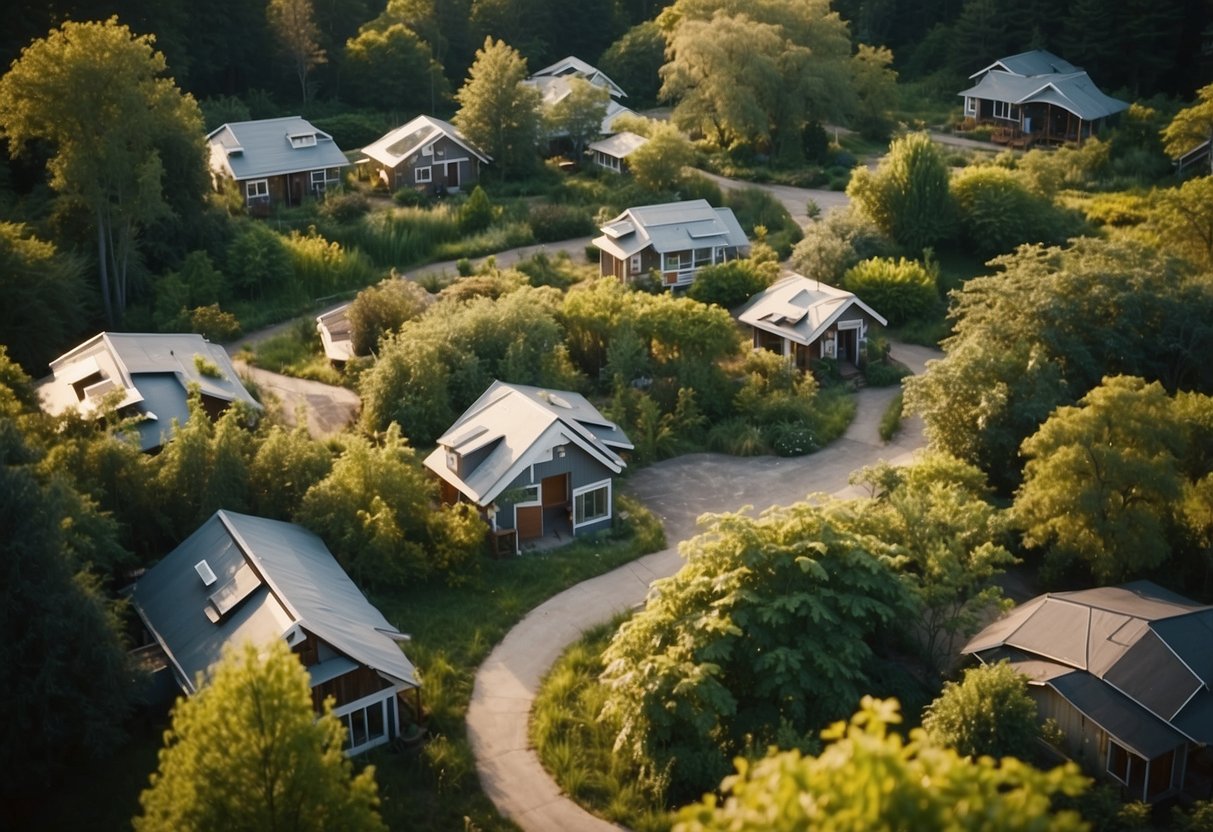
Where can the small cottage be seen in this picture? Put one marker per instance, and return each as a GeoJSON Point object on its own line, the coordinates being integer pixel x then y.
{"type": "Point", "coordinates": [427, 154]}
{"type": "Point", "coordinates": [275, 161]}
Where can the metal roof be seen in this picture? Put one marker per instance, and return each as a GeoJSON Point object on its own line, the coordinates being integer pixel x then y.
{"type": "Point", "coordinates": [155, 370]}
{"type": "Point", "coordinates": [397, 145]}
{"type": "Point", "coordinates": [1034, 62]}
{"type": "Point", "coordinates": [1138, 642]}
{"type": "Point", "coordinates": [577, 68]}
{"type": "Point", "coordinates": [1075, 92]}
{"type": "Point", "coordinates": [296, 583]}
{"type": "Point", "coordinates": [272, 147]}
{"type": "Point", "coordinates": [671, 226]}
{"type": "Point", "coordinates": [520, 424]}
{"type": "Point", "coordinates": [620, 145]}
{"type": "Point", "coordinates": [800, 309]}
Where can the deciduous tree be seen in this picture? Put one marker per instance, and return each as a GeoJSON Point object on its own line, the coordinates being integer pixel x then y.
{"type": "Point", "coordinates": [907, 196]}
{"type": "Point", "coordinates": [1191, 126]}
{"type": "Point", "coordinates": [293, 23]}
{"type": "Point", "coordinates": [44, 293]}
{"type": "Point", "coordinates": [579, 114]}
{"type": "Point", "coordinates": [659, 164]}
{"type": "Point", "coordinates": [247, 752]}
{"type": "Point", "coordinates": [392, 68]}
{"type": "Point", "coordinates": [498, 112]}
{"type": "Point", "coordinates": [99, 95]}
{"type": "Point", "coordinates": [988, 713]}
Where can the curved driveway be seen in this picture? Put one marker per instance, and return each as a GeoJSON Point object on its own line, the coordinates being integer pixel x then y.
{"type": "Point", "coordinates": [678, 491]}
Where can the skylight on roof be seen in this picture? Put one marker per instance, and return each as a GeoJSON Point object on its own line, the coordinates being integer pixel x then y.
{"type": "Point", "coordinates": [302, 139]}
{"type": "Point", "coordinates": [205, 572]}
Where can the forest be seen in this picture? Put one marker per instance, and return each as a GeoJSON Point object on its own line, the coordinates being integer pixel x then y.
{"type": "Point", "coordinates": [1067, 416]}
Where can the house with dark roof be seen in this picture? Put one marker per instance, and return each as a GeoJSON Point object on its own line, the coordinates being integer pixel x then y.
{"type": "Point", "coordinates": [275, 161]}
{"type": "Point", "coordinates": [806, 320]}
{"type": "Point", "coordinates": [242, 579]}
{"type": "Point", "coordinates": [534, 462]}
{"type": "Point", "coordinates": [428, 154]}
{"type": "Point", "coordinates": [1124, 671]}
{"type": "Point", "coordinates": [1038, 97]}
{"type": "Point", "coordinates": [674, 239]}
{"type": "Point", "coordinates": [146, 377]}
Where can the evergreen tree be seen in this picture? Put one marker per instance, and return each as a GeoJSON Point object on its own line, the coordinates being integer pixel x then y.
{"type": "Point", "coordinates": [497, 111]}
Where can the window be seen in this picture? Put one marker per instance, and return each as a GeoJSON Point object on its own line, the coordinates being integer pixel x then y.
{"type": "Point", "coordinates": [703, 257]}
{"type": "Point", "coordinates": [970, 105]}
{"type": "Point", "coordinates": [592, 503]}
{"type": "Point", "coordinates": [303, 140]}
{"type": "Point", "coordinates": [677, 260]}
{"type": "Point", "coordinates": [1006, 110]}
{"type": "Point", "coordinates": [635, 265]}
{"type": "Point", "coordinates": [1119, 761]}
{"type": "Point", "coordinates": [367, 724]}
{"type": "Point", "coordinates": [424, 174]}
{"type": "Point", "coordinates": [525, 495]}
{"type": "Point", "coordinates": [257, 189]}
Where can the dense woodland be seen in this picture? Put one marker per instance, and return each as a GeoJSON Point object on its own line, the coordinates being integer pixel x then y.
{"type": "Point", "coordinates": [1070, 419]}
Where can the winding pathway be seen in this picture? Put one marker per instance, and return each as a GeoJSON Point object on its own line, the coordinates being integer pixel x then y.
{"type": "Point", "coordinates": [678, 491]}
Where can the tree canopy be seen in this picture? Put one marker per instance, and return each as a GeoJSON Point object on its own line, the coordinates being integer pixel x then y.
{"type": "Point", "coordinates": [907, 195]}
{"type": "Point", "coordinates": [247, 752]}
{"type": "Point", "coordinates": [988, 713]}
{"type": "Point", "coordinates": [1191, 126]}
{"type": "Point", "coordinates": [497, 111]}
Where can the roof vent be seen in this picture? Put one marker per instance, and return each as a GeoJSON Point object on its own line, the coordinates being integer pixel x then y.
{"type": "Point", "coordinates": [205, 572]}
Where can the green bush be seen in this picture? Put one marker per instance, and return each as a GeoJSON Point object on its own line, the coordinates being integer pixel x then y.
{"type": "Point", "coordinates": [792, 438]}
{"type": "Point", "coordinates": [884, 373]}
{"type": "Point", "coordinates": [410, 197]}
{"type": "Point", "coordinates": [345, 207]}
{"type": "Point", "coordinates": [477, 213]}
{"type": "Point", "coordinates": [998, 211]}
{"type": "Point", "coordinates": [213, 324]}
{"type": "Point", "coordinates": [728, 284]}
{"type": "Point", "coordinates": [551, 223]}
{"type": "Point", "coordinates": [557, 271]}
{"type": "Point", "coordinates": [737, 437]}
{"type": "Point", "coordinates": [890, 421]}
{"type": "Point", "coordinates": [900, 290]}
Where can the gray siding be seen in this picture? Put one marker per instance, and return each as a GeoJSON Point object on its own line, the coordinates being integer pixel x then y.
{"type": "Point", "coordinates": [583, 470]}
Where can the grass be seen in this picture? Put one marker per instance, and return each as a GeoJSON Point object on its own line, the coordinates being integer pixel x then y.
{"type": "Point", "coordinates": [575, 744]}
{"type": "Point", "coordinates": [890, 422]}
{"type": "Point", "coordinates": [296, 352]}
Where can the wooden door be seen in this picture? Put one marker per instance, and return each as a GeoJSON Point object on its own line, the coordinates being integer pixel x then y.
{"type": "Point", "coordinates": [452, 174]}
{"type": "Point", "coordinates": [528, 520]}
{"type": "Point", "coordinates": [555, 490]}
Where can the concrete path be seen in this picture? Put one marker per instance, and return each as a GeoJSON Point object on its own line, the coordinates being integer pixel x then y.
{"type": "Point", "coordinates": [678, 491]}
{"type": "Point", "coordinates": [796, 200]}
{"type": "Point", "coordinates": [329, 409]}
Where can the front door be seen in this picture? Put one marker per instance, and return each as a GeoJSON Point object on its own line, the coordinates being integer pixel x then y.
{"type": "Point", "coordinates": [452, 175]}
{"type": "Point", "coordinates": [555, 490]}
{"type": "Point", "coordinates": [528, 520]}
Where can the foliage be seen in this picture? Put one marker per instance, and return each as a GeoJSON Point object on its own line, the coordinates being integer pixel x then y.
{"type": "Point", "coordinates": [1045, 331]}
{"type": "Point", "coordinates": [989, 713]}
{"type": "Point", "coordinates": [761, 215]}
{"type": "Point", "coordinates": [729, 284]}
{"type": "Point", "coordinates": [497, 112]}
{"type": "Point", "coordinates": [764, 632]}
{"type": "Point", "coordinates": [998, 212]}
{"type": "Point", "coordinates": [756, 73]}
{"type": "Point", "coordinates": [120, 131]}
{"type": "Point", "coordinates": [384, 308]}
{"type": "Point", "coordinates": [890, 420]}
{"type": "Point", "coordinates": [1181, 219]}
{"type": "Point", "coordinates": [875, 90]}
{"type": "Point", "coordinates": [374, 509]}
{"type": "Point", "coordinates": [280, 766]}
{"type": "Point", "coordinates": [658, 164]}
{"type": "Point", "coordinates": [322, 267]}
{"type": "Point", "coordinates": [44, 295]}
{"type": "Point", "coordinates": [477, 213]}
{"type": "Point", "coordinates": [293, 23]}
{"type": "Point", "coordinates": [838, 242]}
{"type": "Point", "coordinates": [1191, 126]}
{"type": "Point", "coordinates": [345, 207]}
{"type": "Point", "coordinates": [579, 114]}
{"type": "Point", "coordinates": [907, 195]}
{"type": "Point", "coordinates": [285, 466]}
{"type": "Point", "coordinates": [901, 290]}
{"type": "Point", "coordinates": [552, 223]}
{"type": "Point", "coordinates": [258, 262]}
{"type": "Point", "coordinates": [634, 62]}
{"type": "Point", "coordinates": [936, 516]}
{"type": "Point", "coordinates": [392, 68]}
{"type": "Point", "coordinates": [1101, 482]}
{"type": "Point", "coordinates": [869, 778]}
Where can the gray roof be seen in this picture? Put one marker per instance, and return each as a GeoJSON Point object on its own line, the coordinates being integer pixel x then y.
{"type": "Point", "coordinates": [1139, 643]}
{"type": "Point", "coordinates": [620, 145]}
{"type": "Point", "coordinates": [520, 424]}
{"type": "Point", "coordinates": [272, 580]}
{"type": "Point", "coordinates": [572, 67]}
{"type": "Point", "coordinates": [154, 372]}
{"type": "Point", "coordinates": [1034, 62]}
{"type": "Point", "coordinates": [335, 333]}
{"type": "Point", "coordinates": [397, 145]}
{"type": "Point", "coordinates": [271, 147]}
{"type": "Point", "coordinates": [800, 309]}
{"type": "Point", "coordinates": [671, 226]}
{"type": "Point", "coordinates": [1075, 92]}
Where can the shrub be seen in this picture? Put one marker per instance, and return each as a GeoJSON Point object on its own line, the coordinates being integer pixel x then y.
{"type": "Point", "coordinates": [792, 438]}
{"type": "Point", "coordinates": [884, 373]}
{"type": "Point", "coordinates": [728, 284]}
{"type": "Point", "coordinates": [907, 195]}
{"type": "Point", "coordinates": [836, 243]}
{"type": "Point", "coordinates": [998, 212]}
{"type": "Point", "coordinates": [410, 197]}
{"type": "Point", "coordinates": [383, 308]}
{"type": "Point", "coordinates": [890, 421]}
{"type": "Point", "coordinates": [477, 213]}
{"type": "Point", "coordinates": [543, 270]}
{"type": "Point", "coordinates": [345, 207]}
{"type": "Point", "coordinates": [900, 290]}
{"type": "Point", "coordinates": [464, 267]}
{"type": "Point", "coordinates": [737, 437]}
{"type": "Point", "coordinates": [213, 324]}
{"type": "Point", "coordinates": [989, 712]}
{"type": "Point", "coordinates": [551, 223]}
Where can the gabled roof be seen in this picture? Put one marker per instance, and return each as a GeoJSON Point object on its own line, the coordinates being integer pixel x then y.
{"type": "Point", "coordinates": [1075, 92]}
{"type": "Point", "coordinates": [520, 425]}
{"type": "Point", "coordinates": [1137, 659]}
{"type": "Point", "coordinates": [271, 147]}
{"type": "Point", "coordinates": [620, 145]}
{"type": "Point", "coordinates": [394, 147]}
{"type": "Point", "coordinates": [572, 67]}
{"type": "Point", "coordinates": [334, 329]}
{"type": "Point", "coordinates": [272, 580]}
{"type": "Point", "coordinates": [1033, 62]}
{"type": "Point", "coordinates": [800, 309]}
{"type": "Point", "coordinates": [671, 226]}
{"type": "Point", "coordinates": [153, 371]}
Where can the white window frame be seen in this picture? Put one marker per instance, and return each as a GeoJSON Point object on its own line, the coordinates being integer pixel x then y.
{"type": "Point", "coordinates": [531, 501]}
{"type": "Point", "coordinates": [636, 263]}
{"type": "Point", "coordinates": [300, 140]}
{"type": "Point", "coordinates": [579, 519]}
{"type": "Point", "coordinates": [384, 700]}
{"type": "Point", "coordinates": [428, 172]}
{"type": "Point", "coordinates": [1128, 762]}
{"type": "Point", "coordinates": [970, 105]}
{"type": "Point", "coordinates": [257, 189]}
{"type": "Point", "coordinates": [1006, 111]}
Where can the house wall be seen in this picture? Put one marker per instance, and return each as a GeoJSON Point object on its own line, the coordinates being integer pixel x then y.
{"type": "Point", "coordinates": [1086, 742]}
{"type": "Point", "coordinates": [622, 270]}
{"type": "Point", "coordinates": [583, 470]}
{"type": "Point", "coordinates": [441, 151]}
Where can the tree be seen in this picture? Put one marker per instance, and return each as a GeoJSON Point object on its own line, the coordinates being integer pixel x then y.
{"type": "Point", "coordinates": [998, 211]}
{"type": "Point", "coordinates": [729, 284]}
{"type": "Point", "coordinates": [286, 465]}
{"type": "Point", "coordinates": [393, 68]}
{"type": "Point", "coordinates": [1101, 480]}
{"type": "Point", "coordinates": [497, 111]}
{"type": "Point", "coordinates": [658, 164]}
{"type": "Point", "coordinates": [1182, 220]}
{"type": "Point", "coordinates": [902, 290]}
{"type": "Point", "coordinates": [763, 633]}
{"type": "Point", "coordinates": [98, 94]}
{"type": "Point", "coordinates": [989, 713]}
{"type": "Point", "coordinates": [293, 24]}
{"type": "Point", "coordinates": [907, 196]}
{"type": "Point", "coordinates": [875, 90]}
{"type": "Point", "coordinates": [579, 114]}
{"type": "Point", "coordinates": [1192, 126]}
{"type": "Point", "coordinates": [384, 308]}
{"type": "Point", "coordinates": [634, 62]}
{"type": "Point", "coordinates": [247, 752]}
{"type": "Point", "coordinates": [44, 293]}
{"type": "Point", "coordinates": [869, 778]}
{"type": "Point", "coordinates": [838, 241]}
{"type": "Point", "coordinates": [755, 73]}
